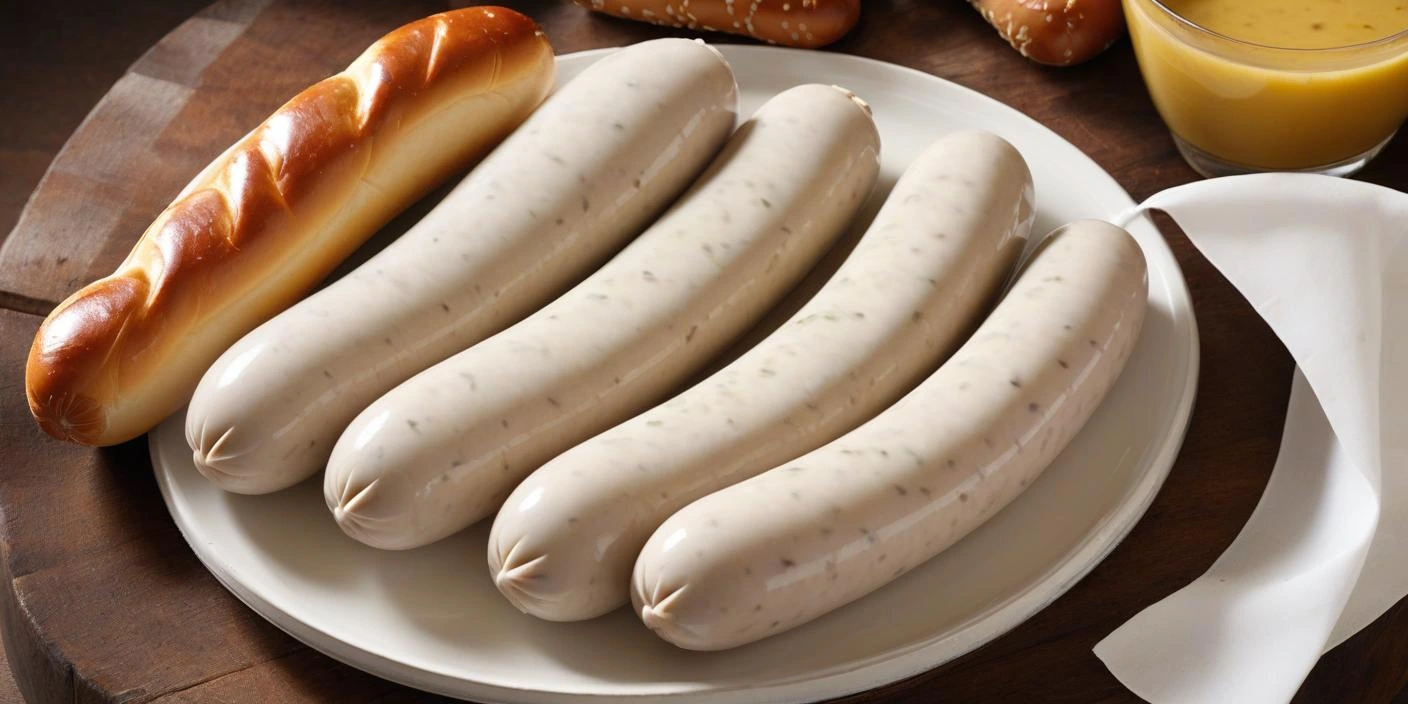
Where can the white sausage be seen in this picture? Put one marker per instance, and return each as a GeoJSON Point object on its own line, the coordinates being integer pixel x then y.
{"type": "Point", "coordinates": [811, 535]}
{"type": "Point", "coordinates": [443, 450]}
{"type": "Point", "coordinates": [925, 271]}
{"type": "Point", "coordinates": [586, 172]}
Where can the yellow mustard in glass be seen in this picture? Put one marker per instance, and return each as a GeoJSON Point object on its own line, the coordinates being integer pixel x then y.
{"type": "Point", "coordinates": [1275, 85]}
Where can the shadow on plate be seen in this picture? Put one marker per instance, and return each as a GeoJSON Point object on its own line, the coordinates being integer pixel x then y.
{"type": "Point", "coordinates": [294, 529]}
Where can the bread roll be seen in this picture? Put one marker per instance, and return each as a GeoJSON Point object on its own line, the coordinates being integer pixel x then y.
{"type": "Point", "coordinates": [1055, 32]}
{"type": "Point", "coordinates": [276, 212]}
{"type": "Point", "coordinates": [801, 23]}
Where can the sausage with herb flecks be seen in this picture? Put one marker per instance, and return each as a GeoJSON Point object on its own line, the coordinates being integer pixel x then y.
{"type": "Point", "coordinates": [585, 173]}
{"type": "Point", "coordinates": [815, 533]}
{"type": "Point", "coordinates": [443, 450]}
{"type": "Point", "coordinates": [927, 269]}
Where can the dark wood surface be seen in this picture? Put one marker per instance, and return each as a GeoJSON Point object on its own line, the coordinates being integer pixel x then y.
{"type": "Point", "coordinates": [102, 600]}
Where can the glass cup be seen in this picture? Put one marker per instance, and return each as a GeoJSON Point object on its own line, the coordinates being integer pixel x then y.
{"type": "Point", "coordinates": [1238, 107]}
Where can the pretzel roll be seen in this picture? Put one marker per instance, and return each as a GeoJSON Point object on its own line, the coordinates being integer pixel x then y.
{"type": "Point", "coordinates": [801, 23]}
{"type": "Point", "coordinates": [269, 218]}
{"type": "Point", "coordinates": [1055, 32]}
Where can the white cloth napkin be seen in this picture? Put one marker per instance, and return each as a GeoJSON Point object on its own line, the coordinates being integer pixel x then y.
{"type": "Point", "coordinates": [1325, 261]}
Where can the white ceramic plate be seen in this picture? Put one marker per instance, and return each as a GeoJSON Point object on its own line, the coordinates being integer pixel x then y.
{"type": "Point", "coordinates": [431, 618]}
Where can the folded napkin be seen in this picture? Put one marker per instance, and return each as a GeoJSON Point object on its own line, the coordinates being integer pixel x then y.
{"type": "Point", "coordinates": [1325, 261]}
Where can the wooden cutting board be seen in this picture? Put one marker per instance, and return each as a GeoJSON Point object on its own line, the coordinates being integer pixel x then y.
{"type": "Point", "coordinates": [103, 602]}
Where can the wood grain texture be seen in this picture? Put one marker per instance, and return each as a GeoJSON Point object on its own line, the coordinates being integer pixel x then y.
{"type": "Point", "coordinates": [103, 601]}
{"type": "Point", "coordinates": [56, 61]}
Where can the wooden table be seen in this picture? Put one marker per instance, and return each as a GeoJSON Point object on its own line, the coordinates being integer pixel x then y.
{"type": "Point", "coordinates": [103, 601]}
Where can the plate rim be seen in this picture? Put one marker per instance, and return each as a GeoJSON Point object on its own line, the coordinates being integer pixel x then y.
{"type": "Point", "coordinates": [878, 670]}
